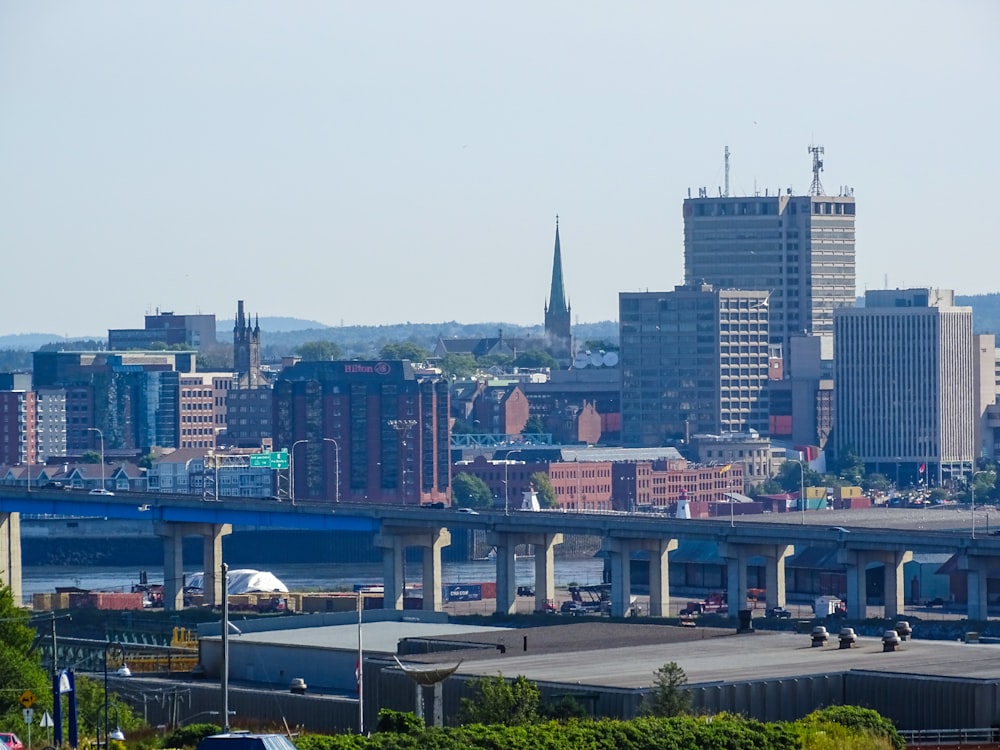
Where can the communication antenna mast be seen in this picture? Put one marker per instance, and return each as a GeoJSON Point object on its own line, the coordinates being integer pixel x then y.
{"type": "Point", "coordinates": [817, 187]}
{"type": "Point", "coordinates": [726, 194]}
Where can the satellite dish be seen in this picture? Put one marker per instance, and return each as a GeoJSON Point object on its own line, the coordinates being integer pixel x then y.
{"type": "Point", "coordinates": [611, 359]}
{"type": "Point", "coordinates": [596, 359]}
{"type": "Point", "coordinates": [581, 361]}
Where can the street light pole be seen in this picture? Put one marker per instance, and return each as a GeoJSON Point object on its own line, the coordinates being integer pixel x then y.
{"type": "Point", "coordinates": [336, 455]}
{"type": "Point", "coordinates": [972, 493]}
{"type": "Point", "coordinates": [291, 470]}
{"type": "Point", "coordinates": [506, 485]}
{"type": "Point", "coordinates": [99, 432]}
{"type": "Point", "coordinates": [802, 490]}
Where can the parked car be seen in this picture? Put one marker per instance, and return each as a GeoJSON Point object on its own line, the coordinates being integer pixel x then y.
{"type": "Point", "coordinates": [470, 511]}
{"type": "Point", "coordinates": [11, 740]}
{"type": "Point", "coordinates": [525, 590]}
{"type": "Point", "coordinates": [100, 491]}
{"type": "Point", "coordinates": [780, 612]}
{"type": "Point", "coordinates": [573, 608]}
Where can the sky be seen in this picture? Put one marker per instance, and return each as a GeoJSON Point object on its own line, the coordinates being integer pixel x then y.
{"type": "Point", "coordinates": [367, 163]}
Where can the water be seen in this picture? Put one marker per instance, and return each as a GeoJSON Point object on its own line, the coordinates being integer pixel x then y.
{"type": "Point", "coordinates": [308, 577]}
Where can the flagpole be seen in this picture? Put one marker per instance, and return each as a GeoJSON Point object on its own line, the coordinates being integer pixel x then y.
{"type": "Point", "coordinates": [360, 669]}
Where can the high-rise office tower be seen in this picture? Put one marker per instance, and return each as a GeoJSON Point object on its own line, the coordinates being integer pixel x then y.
{"type": "Point", "coordinates": [905, 384]}
{"type": "Point", "coordinates": [797, 248]}
{"type": "Point", "coordinates": [694, 360]}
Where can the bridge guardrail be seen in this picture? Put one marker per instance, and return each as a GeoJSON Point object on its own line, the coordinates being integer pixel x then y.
{"type": "Point", "coordinates": [957, 737]}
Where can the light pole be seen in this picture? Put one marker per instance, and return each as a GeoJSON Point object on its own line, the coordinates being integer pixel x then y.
{"type": "Point", "coordinates": [124, 672]}
{"type": "Point", "coordinates": [506, 485]}
{"type": "Point", "coordinates": [802, 490]}
{"type": "Point", "coordinates": [98, 431]}
{"type": "Point", "coordinates": [336, 458]}
{"type": "Point", "coordinates": [291, 470]}
{"type": "Point", "coordinates": [972, 494]}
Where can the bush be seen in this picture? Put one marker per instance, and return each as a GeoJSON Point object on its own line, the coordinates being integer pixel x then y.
{"type": "Point", "coordinates": [399, 722]}
{"type": "Point", "coordinates": [189, 736]}
{"type": "Point", "coordinates": [497, 701]}
{"type": "Point", "coordinates": [859, 719]}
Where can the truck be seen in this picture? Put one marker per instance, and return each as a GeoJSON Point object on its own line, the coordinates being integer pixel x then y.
{"type": "Point", "coordinates": [713, 603]}
{"type": "Point", "coordinates": [829, 606]}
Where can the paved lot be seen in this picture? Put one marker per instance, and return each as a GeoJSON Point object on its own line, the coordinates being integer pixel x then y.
{"type": "Point", "coordinates": [956, 518]}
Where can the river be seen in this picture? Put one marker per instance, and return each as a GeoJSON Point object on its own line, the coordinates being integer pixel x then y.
{"type": "Point", "coordinates": [307, 577]}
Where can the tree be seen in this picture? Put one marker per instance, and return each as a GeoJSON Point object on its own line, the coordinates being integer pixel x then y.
{"type": "Point", "coordinates": [404, 350]}
{"type": "Point", "coordinates": [469, 491]}
{"type": "Point", "coordinates": [458, 365]}
{"type": "Point", "coordinates": [495, 360]}
{"type": "Point", "coordinates": [319, 351]}
{"type": "Point", "coordinates": [90, 457]}
{"type": "Point", "coordinates": [20, 667]}
{"type": "Point", "coordinates": [534, 425]}
{"type": "Point", "coordinates": [668, 696]}
{"type": "Point", "coordinates": [497, 701]}
{"type": "Point", "coordinates": [535, 358]}
{"type": "Point", "coordinates": [792, 481]}
{"type": "Point", "coordinates": [543, 486]}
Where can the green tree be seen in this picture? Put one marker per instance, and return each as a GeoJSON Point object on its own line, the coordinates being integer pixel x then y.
{"type": "Point", "coordinates": [791, 480]}
{"type": "Point", "coordinates": [864, 720]}
{"type": "Point", "coordinates": [877, 483]}
{"type": "Point", "coordinates": [497, 701]}
{"type": "Point", "coordinates": [534, 425]}
{"type": "Point", "coordinates": [543, 486]}
{"type": "Point", "coordinates": [469, 491]}
{"type": "Point", "coordinates": [404, 350]}
{"type": "Point", "coordinates": [147, 461]}
{"type": "Point", "coordinates": [20, 667]}
{"type": "Point", "coordinates": [535, 358]}
{"type": "Point", "coordinates": [458, 365]}
{"type": "Point", "coordinates": [668, 696]}
{"type": "Point", "coordinates": [495, 360]}
{"type": "Point", "coordinates": [849, 467]}
{"type": "Point", "coordinates": [319, 351]}
{"type": "Point", "coordinates": [90, 457]}
{"type": "Point", "coordinates": [598, 345]}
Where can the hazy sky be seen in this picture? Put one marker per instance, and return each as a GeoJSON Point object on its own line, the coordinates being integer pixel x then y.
{"type": "Point", "coordinates": [377, 162]}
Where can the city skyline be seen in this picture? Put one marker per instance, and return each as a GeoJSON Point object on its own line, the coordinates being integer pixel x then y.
{"type": "Point", "coordinates": [366, 165]}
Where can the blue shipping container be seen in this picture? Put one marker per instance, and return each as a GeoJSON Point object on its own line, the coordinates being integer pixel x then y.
{"type": "Point", "coordinates": [469, 592]}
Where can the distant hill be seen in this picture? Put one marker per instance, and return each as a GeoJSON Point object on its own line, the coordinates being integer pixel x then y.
{"type": "Point", "coordinates": [276, 324]}
{"type": "Point", "coordinates": [31, 342]}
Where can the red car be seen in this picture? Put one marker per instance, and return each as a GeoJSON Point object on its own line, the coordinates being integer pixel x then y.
{"type": "Point", "coordinates": [11, 740]}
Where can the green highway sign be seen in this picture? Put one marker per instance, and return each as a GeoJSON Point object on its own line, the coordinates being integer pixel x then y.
{"type": "Point", "coordinates": [269, 460]}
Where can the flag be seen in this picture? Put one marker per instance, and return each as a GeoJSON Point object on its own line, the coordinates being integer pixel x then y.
{"type": "Point", "coordinates": [725, 468]}
{"type": "Point", "coordinates": [923, 468]}
{"type": "Point", "coordinates": [357, 675]}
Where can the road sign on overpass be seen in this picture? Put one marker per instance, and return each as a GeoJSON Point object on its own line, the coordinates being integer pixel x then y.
{"type": "Point", "coordinates": [269, 460]}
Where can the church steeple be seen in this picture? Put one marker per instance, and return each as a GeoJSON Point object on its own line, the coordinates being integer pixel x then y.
{"type": "Point", "coordinates": [558, 335]}
{"type": "Point", "coordinates": [557, 294]}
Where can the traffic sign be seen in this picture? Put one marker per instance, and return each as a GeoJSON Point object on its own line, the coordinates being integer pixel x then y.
{"type": "Point", "coordinates": [46, 721]}
{"type": "Point", "coordinates": [27, 699]}
{"type": "Point", "coordinates": [269, 460]}
{"type": "Point", "coordinates": [29, 715]}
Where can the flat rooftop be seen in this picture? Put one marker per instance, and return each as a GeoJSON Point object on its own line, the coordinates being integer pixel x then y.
{"type": "Point", "coordinates": [626, 656]}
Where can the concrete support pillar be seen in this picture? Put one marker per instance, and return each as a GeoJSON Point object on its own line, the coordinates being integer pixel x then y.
{"type": "Point", "coordinates": [393, 543]}
{"type": "Point", "coordinates": [737, 554]}
{"type": "Point", "coordinates": [736, 578]}
{"type": "Point", "coordinates": [10, 555]}
{"type": "Point", "coordinates": [211, 536]}
{"type": "Point", "coordinates": [774, 575]}
{"type": "Point", "coordinates": [857, 591]}
{"type": "Point", "coordinates": [545, 586]}
{"type": "Point", "coordinates": [506, 577]}
{"type": "Point", "coordinates": [620, 551]}
{"type": "Point", "coordinates": [173, 564]}
{"type": "Point", "coordinates": [975, 568]}
{"type": "Point", "coordinates": [894, 582]}
{"type": "Point", "coordinates": [659, 573]}
{"type": "Point", "coordinates": [545, 580]}
{"type": "Point", "coordinates": [432, 569]}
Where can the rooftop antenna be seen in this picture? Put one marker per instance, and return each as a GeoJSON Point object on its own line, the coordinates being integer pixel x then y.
{"type": "Point", "coordinates": [726, 194]}
{"type": "Point", "coordinates": [817, 187]}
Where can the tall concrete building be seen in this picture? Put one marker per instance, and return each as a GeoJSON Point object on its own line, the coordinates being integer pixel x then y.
{"type": "Point", "coordinates": [905, 394]}
{"type": "Point", "coordinates": [165, 328]}
{"type": "Point", "coordinates": [797, 248]}
{"type": "Point", "coordinates": [694, 360]}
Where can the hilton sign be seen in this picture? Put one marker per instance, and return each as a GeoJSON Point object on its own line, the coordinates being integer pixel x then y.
{"type": "Point", "coordinates": [379, 368]}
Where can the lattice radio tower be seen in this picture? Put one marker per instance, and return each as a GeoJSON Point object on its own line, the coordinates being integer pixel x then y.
{"type": "Point", "coordinates": [817, 187]}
